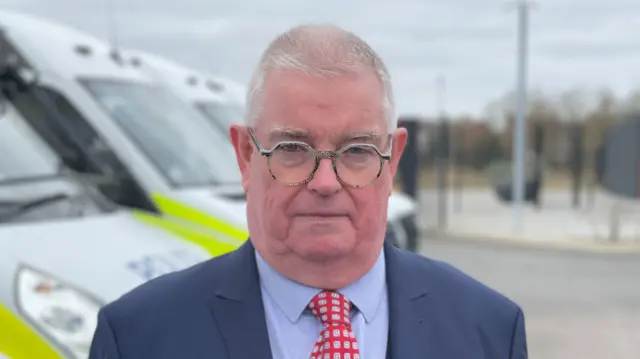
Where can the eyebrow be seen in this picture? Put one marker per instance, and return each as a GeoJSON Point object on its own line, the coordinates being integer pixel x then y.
{"type": "Point", "coordinates": [363, 136]}
{"type": "Point", "coordinates": [288, 133]}
{"type": "Point", "coordinates": [298, 134]}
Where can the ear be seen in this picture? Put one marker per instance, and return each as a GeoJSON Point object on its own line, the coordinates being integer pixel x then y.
{"type": "Point", "coordinates": [399, 143]}
{"type": "Point", "coordinates": [244, 149]}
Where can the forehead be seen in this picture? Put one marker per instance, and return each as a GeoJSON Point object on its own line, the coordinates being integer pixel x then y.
{"type": "Point", "coordinates": [338, 106]}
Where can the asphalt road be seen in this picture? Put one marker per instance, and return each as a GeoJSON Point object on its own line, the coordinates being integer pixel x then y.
{"type": "Point", "coordinates": [577, 305]}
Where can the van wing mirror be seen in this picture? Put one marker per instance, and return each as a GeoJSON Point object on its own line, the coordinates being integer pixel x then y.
{"type": "Point", "coordinates": [17, 78]}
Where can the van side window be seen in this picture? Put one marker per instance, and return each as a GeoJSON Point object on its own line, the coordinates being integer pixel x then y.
{"type": "Point", "coordinates": [45, 109]}
{"type": "Point", "coordinates": [40, 118]}
{"type": "Point", "coordinates": [82, 131]}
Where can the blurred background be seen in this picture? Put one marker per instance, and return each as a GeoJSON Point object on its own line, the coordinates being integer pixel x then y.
{"type": "Point", "coordinates": [524, 122]}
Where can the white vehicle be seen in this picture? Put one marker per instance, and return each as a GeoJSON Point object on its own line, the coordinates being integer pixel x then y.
{"type": "Point", "coordinates": [85, 101]}
{"type": "Point", "coordinates": [147, 135]}
{"type": "Point", "coordinates": [65, 250]}
{"type": "Point", "coordinates": [222, 101]}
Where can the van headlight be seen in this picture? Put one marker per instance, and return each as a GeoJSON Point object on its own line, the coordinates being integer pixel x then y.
{"type": "Point", "coordinates": [61, 312]}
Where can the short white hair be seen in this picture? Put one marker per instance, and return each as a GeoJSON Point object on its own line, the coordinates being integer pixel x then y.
{"type": "Point", "coordinates": [319, 50]}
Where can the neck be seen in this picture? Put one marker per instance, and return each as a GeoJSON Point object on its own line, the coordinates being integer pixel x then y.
{"type": "Point", "coordinates": [333, 274]}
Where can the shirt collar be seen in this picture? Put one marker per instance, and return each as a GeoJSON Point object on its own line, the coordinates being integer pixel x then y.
{"type": "Point", "coordinates": [292, 297]}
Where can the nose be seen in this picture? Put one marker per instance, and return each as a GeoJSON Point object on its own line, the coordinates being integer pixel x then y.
{"type": "Point", "coordinates": [325, 181]}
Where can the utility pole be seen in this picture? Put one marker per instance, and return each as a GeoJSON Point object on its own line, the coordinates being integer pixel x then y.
{"type": "Point", "coordinates": [442, 166]}
{"type": "Point", "coordinates": [520, 128]}
{"type": "Point", "coordinates": [111, 14]}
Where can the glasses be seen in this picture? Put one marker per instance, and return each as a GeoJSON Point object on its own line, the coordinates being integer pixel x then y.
{"type": "Point", "coordinates": [295, 163]}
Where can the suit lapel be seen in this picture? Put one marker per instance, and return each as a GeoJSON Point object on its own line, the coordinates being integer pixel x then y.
{"type": "Point", "coordinates": [411, 332]}
{"type": "Point", "coordinates": [237, 307]}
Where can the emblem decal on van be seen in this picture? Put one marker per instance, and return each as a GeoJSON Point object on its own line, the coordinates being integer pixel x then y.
{"type": "Point", "coordinates": [155, 265]}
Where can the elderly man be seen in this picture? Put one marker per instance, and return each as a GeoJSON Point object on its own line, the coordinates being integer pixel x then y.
{"type": "Point", "coordinates": [318, 153]}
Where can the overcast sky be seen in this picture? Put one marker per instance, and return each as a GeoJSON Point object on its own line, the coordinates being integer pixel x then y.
{"type": "Point", "coordinates": [472, 42]}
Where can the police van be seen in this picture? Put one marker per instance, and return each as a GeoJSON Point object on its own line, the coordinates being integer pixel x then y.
{"type": "Point", "coordinates": [65, 249]}
{"type": "Point", "coordinates": [145, 134]}
{"type": "Point", "coordinates": [84, 100]}
{"type": "Point", "coordinates": [222, 102]}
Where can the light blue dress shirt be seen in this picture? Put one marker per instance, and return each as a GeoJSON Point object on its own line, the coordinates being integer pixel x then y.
{"type": "Point", "coordinates": [293, 331]}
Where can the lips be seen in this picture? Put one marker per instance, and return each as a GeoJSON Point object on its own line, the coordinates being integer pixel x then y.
{"type": "Point", "coordinates": [322, 215]}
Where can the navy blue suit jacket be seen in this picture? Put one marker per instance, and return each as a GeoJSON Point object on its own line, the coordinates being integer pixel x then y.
{"type": "Point", "coordinates": [214, 311]}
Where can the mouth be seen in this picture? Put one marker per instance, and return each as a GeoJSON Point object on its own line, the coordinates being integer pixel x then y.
{"type": "Point", "coordinates": [322, 215]}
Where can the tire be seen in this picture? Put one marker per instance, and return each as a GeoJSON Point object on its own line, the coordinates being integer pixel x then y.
{"type": "Point", "coordinates": [390, 237]}
{"type": "Point", "coordinates": [412, 233]}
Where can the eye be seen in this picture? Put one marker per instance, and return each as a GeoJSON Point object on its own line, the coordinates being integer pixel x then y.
{"type": "Point", "coordinates": [292, 147]}
{"type": "Point", "coordinates": [358, 151]}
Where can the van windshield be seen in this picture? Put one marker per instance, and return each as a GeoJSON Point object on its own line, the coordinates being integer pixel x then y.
{"type": "Point", "coordinates": [32, 185]}
{"type": "Point", "coordinates": [221, 114]}
{"type": "Point", "coordinates": [175, 137]}
{"type": "Point", "coordinates": [22, 155]}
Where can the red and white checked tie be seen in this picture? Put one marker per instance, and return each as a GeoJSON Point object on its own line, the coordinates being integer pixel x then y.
{"type": "Point", "coordinates": [337, 340]}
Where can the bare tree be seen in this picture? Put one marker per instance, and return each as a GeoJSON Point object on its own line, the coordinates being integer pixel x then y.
{"type": "Point", "coordinates": [571, 105]}
{"type": "Point", "coordinates": [498, 111]}
{"type": "Point", "coordinates": [630, 104]}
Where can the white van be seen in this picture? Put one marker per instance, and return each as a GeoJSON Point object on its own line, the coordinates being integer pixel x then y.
{"type": "Point", "coordinates": [87, 101]}
{"type": "Point", "coordinates": [65, 250]}
{"type": "Point", "coordinates": [222, 101]}
{"type": "Point", "coordinates": [142, 131]}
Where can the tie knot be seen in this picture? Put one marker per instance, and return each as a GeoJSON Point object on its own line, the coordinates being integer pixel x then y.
{"type": "Point", "coordinates": [331, 308]}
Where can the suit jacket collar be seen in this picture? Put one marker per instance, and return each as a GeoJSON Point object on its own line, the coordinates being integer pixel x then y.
{"type": "Point", "coordinates": [236, 304]}
{"type": "Point", "coordinates": [411, 305]}
{"type": "Point", "coordinates": [242, 278]}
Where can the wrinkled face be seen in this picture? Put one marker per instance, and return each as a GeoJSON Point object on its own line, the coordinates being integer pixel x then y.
{"type": "Point", "coordinates": [322, 219]}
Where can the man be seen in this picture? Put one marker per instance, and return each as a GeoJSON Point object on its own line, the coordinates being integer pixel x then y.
{"type": "Point", "coordinates": [317, 155]}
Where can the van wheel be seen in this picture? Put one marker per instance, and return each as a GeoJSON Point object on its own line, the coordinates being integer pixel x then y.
{"type": "Point", "coordinates": [412, 233]}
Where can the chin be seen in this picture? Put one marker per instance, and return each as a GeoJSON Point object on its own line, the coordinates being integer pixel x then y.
{"type": "Point", "coordinates": [324, 247]}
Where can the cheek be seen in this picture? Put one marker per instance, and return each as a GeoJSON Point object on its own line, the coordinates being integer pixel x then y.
{"type": "Point", "coordinates": [371, 203]}
{"type": "Point", "coordinates": [275, 199]}
{"type": "Point", "coordinates": [268, 188]}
